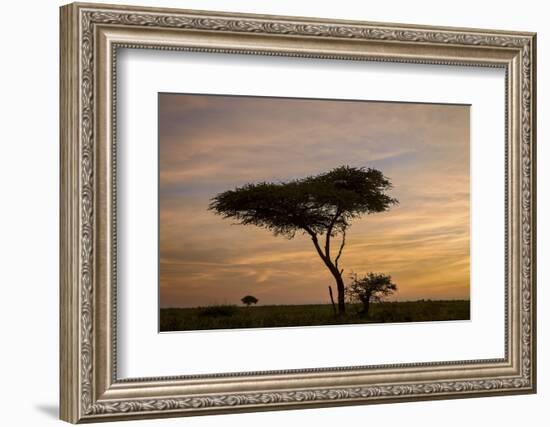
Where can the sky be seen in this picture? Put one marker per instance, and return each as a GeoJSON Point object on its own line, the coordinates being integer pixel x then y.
{"type": "Point", "coordinates": [209, 144]}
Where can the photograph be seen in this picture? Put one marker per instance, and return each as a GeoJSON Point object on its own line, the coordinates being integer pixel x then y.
{"type": "Point", "coordinates": [284, 212]}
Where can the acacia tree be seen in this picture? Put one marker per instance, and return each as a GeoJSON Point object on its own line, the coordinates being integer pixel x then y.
{"type": "Point", "coordinates": [372, 287]}
{"type": "Point", "coordinates": [249, 299]}
{"type": "Point", "coordinates": [320, 206]}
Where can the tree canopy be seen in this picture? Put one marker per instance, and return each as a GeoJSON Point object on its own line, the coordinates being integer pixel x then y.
{"type": "Point", "coordinates": [316, 204]}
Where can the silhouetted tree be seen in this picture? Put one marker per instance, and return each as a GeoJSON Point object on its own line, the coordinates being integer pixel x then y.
{"type": "Point", "coordinates": [249, 299]}
{"type": "Point", "coordinates": [372, 287]}
{"type": "Point", "coordinates": [321, 205]}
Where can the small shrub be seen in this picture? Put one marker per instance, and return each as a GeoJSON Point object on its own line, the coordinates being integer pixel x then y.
{"type": "Point", "coordinates": [249, 299]}
{"type": "Point", "coordinates": [373, 287]}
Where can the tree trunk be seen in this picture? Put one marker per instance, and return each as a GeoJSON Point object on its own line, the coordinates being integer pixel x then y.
{"type": "Point", "coordinates": [332, 299]}
{"type": "Point", "coordinates": [340, 287]}
{"type": "Point", "coordinates": [341, 293]}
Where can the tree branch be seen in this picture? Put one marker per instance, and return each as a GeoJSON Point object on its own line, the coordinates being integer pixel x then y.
{"type": "Point", "coordinates": [329, 232]}
{"type": "Point", "coordinates": [315, 241]}
{"type": "Point", "coordinates": [319, 250]}
{"type": "Point", "coordinates": [327, 245]}
{"type": "Point", "coordinates": [341, 248]}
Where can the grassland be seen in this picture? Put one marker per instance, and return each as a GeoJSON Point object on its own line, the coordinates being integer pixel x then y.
{"type": "Point", "coordinates": [267, 316]}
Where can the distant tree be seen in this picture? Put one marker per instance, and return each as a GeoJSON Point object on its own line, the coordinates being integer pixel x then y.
{"type": "Point", "coordinates": [249, 299]}
{"type": "Point", "coordinates": [321, 205]}
{"type": "Point", "coordinates": [372, 287]}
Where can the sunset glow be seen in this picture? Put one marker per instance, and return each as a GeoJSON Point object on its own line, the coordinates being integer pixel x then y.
{"type": "Point", "coordinates": [210, 144]}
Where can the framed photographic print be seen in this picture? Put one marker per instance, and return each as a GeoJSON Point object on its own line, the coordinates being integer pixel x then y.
{"type": "Point", "coordinates": [265, 212]}
{"type": "Point", "coordinates": [261, 148]}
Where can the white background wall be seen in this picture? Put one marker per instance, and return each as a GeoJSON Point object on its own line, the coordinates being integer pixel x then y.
{"type": "Point", "coordinates": [29, 170]}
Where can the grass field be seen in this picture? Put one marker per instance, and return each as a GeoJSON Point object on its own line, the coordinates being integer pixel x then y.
{"type": "Point", "coordinates": [268, 316]}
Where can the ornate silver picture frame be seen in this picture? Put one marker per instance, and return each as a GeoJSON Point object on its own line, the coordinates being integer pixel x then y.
{"type": "Point", "coordinates": [91, 35]}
